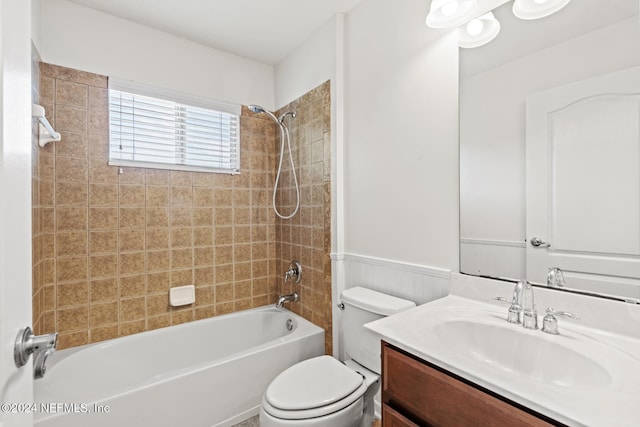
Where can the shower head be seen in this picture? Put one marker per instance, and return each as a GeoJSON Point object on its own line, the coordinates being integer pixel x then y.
{"type": "Point", "coordinates": [288, 113]}
{"type": "Point", "coordinates": [258, 109]}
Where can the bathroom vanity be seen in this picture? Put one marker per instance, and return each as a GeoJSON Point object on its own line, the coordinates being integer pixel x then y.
{"type": "Point", "coordinates": [457, 361]}
{"type": "Point", "coordinates": [415, 392]}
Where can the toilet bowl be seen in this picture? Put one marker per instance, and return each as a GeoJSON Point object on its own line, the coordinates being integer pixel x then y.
{"type": "Point", "coordinates": [322, 391]}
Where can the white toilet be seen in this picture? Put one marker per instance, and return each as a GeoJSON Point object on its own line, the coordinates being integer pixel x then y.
{"type": "Point", "coordinates": [323, 391]}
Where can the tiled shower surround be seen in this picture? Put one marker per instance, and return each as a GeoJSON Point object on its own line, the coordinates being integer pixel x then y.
{"type": "Point", "coordinates": [307, 236]}
{"type": "Point", "coordinates": [109, 243]}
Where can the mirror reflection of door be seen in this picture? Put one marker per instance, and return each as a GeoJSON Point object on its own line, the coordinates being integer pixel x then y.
{"type": "Point", "coordinates": [583, 183]}
{"type": "Point", "coordinates": [585, 40]}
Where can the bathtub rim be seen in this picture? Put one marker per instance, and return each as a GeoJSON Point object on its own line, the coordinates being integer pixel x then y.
{"type": "Point", "coordinates": [303, 325]}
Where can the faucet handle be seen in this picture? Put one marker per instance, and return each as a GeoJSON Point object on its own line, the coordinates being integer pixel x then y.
{"type": "Point", "coordinates": [550, 322]}
{"type": "Point", "coordinates": [514, 312]}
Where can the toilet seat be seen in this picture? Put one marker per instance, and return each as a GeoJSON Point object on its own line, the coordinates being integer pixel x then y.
{"type": "Point", "coordinates": [313, 388]}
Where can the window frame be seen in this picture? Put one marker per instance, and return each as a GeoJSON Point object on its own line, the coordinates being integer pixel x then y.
{"type": "Point", "coordinates": [181, 99]}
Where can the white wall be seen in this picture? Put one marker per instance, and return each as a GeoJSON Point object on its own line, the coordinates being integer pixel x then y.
{"type": "Point", "coordinates": [312, 63]}
{"type": "Point", "coordinates": [493, 139]}
{"type": "Point", "coordinates": [401, 135]}
{"type": "Point", "coordinates": [78, 37]}
{"type": "Point", "coordinates": [36, 8]}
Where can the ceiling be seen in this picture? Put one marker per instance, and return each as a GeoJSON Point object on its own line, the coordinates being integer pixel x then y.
{"type": "Point", "coordinates": [262, 30]}
{"type": "Point", "coordinates": [519, 38]}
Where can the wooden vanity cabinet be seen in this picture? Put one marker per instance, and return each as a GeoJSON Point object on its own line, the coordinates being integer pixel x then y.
{"type": "Point", "coordinates": [416, 393]}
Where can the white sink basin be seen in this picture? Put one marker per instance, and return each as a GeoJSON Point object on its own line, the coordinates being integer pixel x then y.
{"type": "Point", "coordinates": [509, 349]}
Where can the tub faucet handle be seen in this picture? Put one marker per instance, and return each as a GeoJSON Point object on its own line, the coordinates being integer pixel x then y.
{"type": "Point", "coordinates": [294, 272]}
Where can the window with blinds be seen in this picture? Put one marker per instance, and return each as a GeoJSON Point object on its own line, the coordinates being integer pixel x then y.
{"type": "Point", "coordinates": [147, 131]}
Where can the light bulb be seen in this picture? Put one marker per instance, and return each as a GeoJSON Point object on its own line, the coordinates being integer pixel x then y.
{"type": "Point", "coordinates": [475, 27]}
{"type": "Point", "coordinates": [450, 8]}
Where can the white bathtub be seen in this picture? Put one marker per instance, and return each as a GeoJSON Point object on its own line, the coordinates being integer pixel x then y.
{"type": "Point", "coordinates": [207, 373]}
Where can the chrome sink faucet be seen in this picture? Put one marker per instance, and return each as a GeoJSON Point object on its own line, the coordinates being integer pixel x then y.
{"type": "Point", "coordinates": [529, 313]}
{"type": "Point", "coordinates": [555, 278]}
{"type": "Point", "coordinates": [522, 309]}
{"type": "Point", "coordinates": [286, 298]}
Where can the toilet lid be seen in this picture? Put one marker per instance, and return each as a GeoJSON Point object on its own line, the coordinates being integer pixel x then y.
{"type": "Point", "coordinates": [311, 384]}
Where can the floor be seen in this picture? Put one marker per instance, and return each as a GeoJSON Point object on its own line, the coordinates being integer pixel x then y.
{"type": "Point", "coordinates": [255, 422]}
{"type": "Point", "coordinates": [251, 422]}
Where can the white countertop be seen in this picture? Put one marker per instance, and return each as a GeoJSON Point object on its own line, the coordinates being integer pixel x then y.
{"type": "Point", "coordinates": [611, 398]}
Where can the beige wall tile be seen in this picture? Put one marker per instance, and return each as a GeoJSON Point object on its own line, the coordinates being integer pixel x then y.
{"type": "Point", "coordinates": [132, 240]}
{"type": "Point", "coordinates": [103, 241]}
{"type": "Point", "coordinates": [158, 322]}
{"type": "Point", "coordinates": [103, 314]}
{"type": "Point", "coordinates": [181, 217]}
{"type": "Point", "coordinates": [71, 169]}
{"type": "Point", "coordinates": [71, 194]}
{"type": "Point", "coordinates": [69, 74]}
{"type": "Point", "coordinates": [104, 333]}
{"type": "Point", "coordinates": [71, 218]}
{"type": "Point", "coordinates": [71, 244]}
{"type": "Point", "coordinates": [157, 195]}
{"type": "Point", "coordinates": [182, 237]}
{"type": "Point", "coordinates": [71, 94]}
{"type": "Point", "coordinates": [103, 266]}
{"type": "Point", "coordinates": [157, 238]}
{"type": "Point", "coordinates": [203, 236]}
{"type": "Point", "coordinates": [131, 328]}
{"type": "Point", "coordinates": [181, 277]}
{"type": "Point", "coordinates": [181, 196]}
{"type": "Point", "coordinates": [71, 119]}
{"type": "Point", "coordinates": [73, 339]}
{"type": "Point", "coordinates": [158, 177]}
{"type": "Point", "coordinates": [203, 276]}
{"type": "Point", "coordinates": [132, 309]}
{"type": "Point", "coordinates": [182, 316]}
{"type": "Point", "coordinates": [73, 319]}
{"type": "Point", "coordinates": [98, 122]}
{"type": "Point", "coordinates": [71, 269]}
{"type": "Point", "coordinates": [70, 294]}
{"type": "Point", "coordinates": [182, 179]}
{"type": "Point", "coordinates": [132, 286]}
{"type": "Point", "coordinates": [97, 98]}
{"type": "Point", "coordinates": [158, 260]}
{"type": "Point", "coordinates": [158, 282]}
{"type": "Point", "coordinates": [103, 195]}
{"type": "Point", "coordinates": [132, 263]}
{"type": "Point", "coordinates": [157, 217]}
{"type": "Point", "coordinates": [131, 195]}
{"type": "Point", "coordinates": [103, 218]}
{"type": "Point", "coordinates": [132, 217]}
{"type": "Point", "coordinates": [203, 256]}
{"type": "Point", "coordinates": [203, 217]}
{"type": "Point", "coordinates": [103, 290]}
{"type": "Point", "coordinates": [182, 258]}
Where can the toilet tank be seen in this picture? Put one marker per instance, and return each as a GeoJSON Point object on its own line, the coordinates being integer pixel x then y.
{"type": "Point", "coordinates": [362, 306]}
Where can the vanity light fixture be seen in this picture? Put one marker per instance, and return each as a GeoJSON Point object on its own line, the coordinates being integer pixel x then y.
{"type": "Point", "coordinates": [535, 9]}
{"type": "Point", "coordinates": [450, 13]}
{"type": "Point", "coordinates": [479, 31]}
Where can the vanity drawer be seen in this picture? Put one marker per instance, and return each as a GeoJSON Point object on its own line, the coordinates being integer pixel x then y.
{"type": "Point", "coordinates": [416, 390]}
{"type": "Point", "coordinates": [392, 418]}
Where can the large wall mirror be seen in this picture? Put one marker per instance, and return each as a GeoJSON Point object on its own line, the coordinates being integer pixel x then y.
{"type": "Point", "coordinates": [550, 149]}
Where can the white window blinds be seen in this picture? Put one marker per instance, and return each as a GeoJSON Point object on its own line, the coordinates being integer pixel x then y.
{"type": "Point", "coordinates": [151, 132]}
